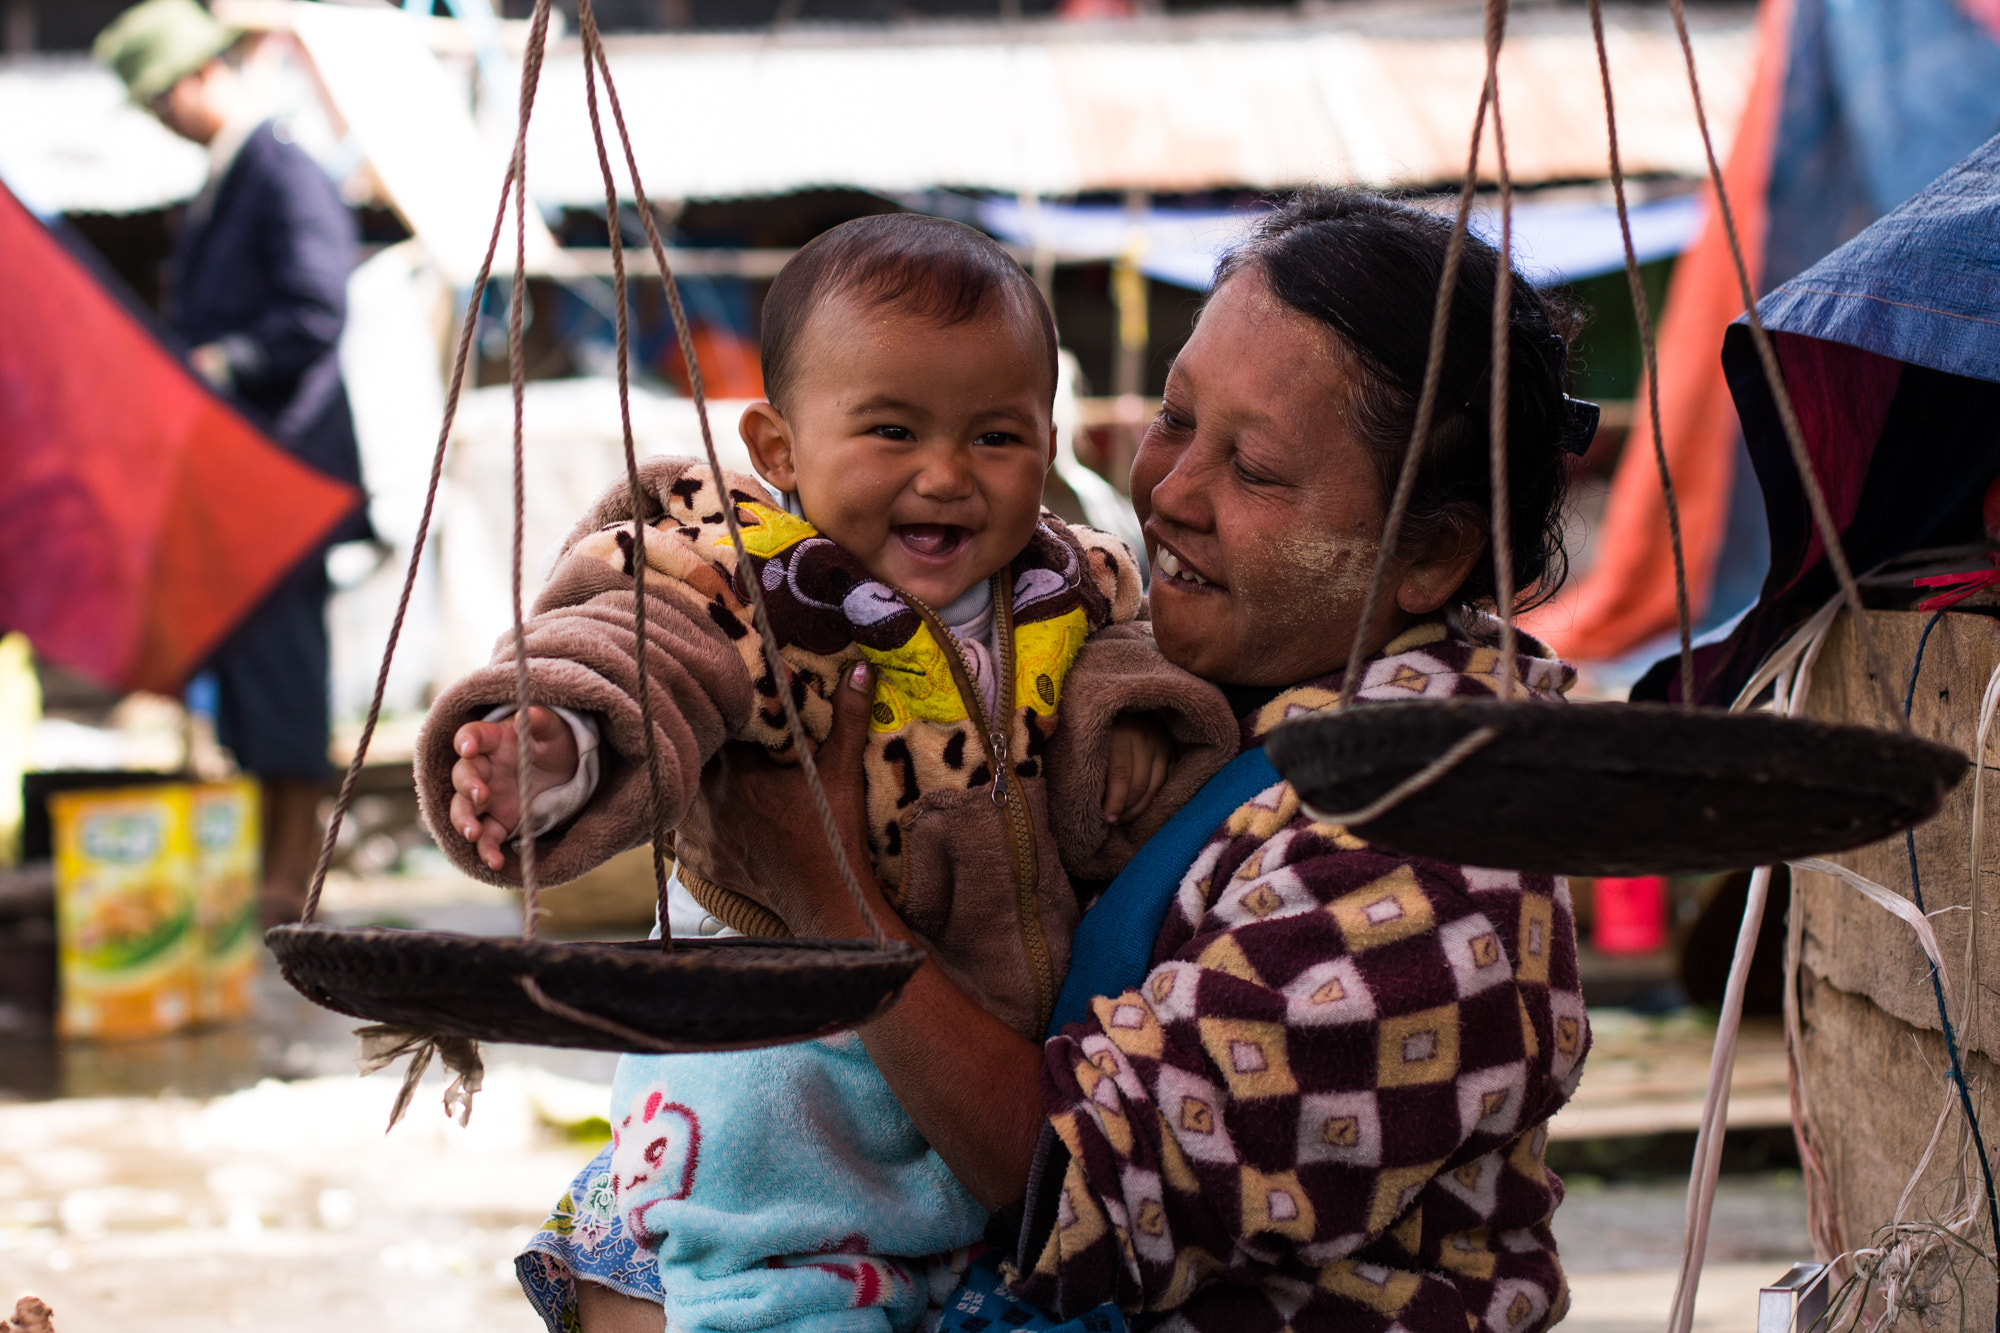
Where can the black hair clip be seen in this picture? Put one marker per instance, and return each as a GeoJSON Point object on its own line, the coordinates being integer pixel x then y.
{"type": "Point", "coordinates": [1579, 424]}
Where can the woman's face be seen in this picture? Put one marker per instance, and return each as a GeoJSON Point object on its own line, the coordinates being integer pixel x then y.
{"type": "Point", "coordinates": [1262, 512]}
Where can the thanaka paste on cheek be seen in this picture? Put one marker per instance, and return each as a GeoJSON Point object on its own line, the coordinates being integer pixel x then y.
{"type": "Point", "coordinates": [1332, 571]}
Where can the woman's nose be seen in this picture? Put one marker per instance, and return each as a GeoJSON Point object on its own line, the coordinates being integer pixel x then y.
{"type": "Point", "coordinates": [1183, 497]}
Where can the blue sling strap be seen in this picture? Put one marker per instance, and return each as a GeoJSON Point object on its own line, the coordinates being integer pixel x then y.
{"type": "Point", "coordinates": [1111, 952]}
{"type": "Point", "coordinates": [1114, 941]}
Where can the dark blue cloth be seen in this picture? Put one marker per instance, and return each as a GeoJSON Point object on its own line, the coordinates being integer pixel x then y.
{"type": "Point", "coordinates": [982, 1304]}
{"type": "Point", "coordinates": [260, 269]}
{"type": "Point", "coordinates": [1880, 96]}
{"type": "Point", "coordinates": [1920, 287]}
{"type": "Point", "coordinates": [1113, 947]}
{"type": "Point", "coordinates": [263, 272]}
{"type": "Point", "coordinates": [272, 675]}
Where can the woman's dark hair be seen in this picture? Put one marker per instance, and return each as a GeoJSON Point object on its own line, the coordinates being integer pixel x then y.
{"type": "Point", "coordinates": [1369, 268]}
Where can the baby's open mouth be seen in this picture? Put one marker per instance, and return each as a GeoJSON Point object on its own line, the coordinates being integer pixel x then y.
{"type": "Point", "coordinates": [934, 541]}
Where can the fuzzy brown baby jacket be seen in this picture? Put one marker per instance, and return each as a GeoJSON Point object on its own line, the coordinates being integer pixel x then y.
{"type": "Point", "coordinates": [986, 882]}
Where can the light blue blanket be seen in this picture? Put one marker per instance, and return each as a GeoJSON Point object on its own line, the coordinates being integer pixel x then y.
{"type": "Point", "coordinates": [785, 1189]}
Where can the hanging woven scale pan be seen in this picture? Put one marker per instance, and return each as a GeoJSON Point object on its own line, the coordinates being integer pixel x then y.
{"type": "Point", "coordinates": [1612, 789]}
{"type": "Point", "coordinates": [665, 995]}
{"type": "Point", "coordinates": [1601, 789]}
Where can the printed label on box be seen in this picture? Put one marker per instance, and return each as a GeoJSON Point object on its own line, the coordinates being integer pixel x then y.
{"type": "Point", "coordinates": [125, 911]}
{"type": "Point", "coordinates": [223, 823]}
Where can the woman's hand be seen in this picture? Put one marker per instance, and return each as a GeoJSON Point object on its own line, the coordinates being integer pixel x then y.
{"type": "Point", "coordinates": [971, 1084]}
{"type": "Point", "coordinates": [756, 825]}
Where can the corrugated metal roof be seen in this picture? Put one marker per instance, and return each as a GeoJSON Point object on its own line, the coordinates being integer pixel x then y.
{"type": "Point", "coordinates": [1056, 109]}
{"type": "Point", "coordinates": [1167, 108]}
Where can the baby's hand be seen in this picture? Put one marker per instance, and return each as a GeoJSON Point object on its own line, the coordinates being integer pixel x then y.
{"type": "Point", "coordinates": [486, 799]}
{"type": "Point", "coordinates": [1141, 750]}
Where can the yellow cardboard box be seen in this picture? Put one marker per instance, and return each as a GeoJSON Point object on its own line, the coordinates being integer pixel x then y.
{"type": "Point", "coordinates": [222, 821]}
{"type": "Point", "coordinates": [125, 911]}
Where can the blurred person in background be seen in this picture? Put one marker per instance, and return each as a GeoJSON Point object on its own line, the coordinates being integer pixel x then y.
{"type": "Point", "coordinates": [258, 290]}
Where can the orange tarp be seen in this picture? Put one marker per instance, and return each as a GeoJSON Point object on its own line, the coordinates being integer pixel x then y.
{"type": "Point", "coordinates": [141, 518]}
{"type": "Point", "coordinates": [1627, 596]}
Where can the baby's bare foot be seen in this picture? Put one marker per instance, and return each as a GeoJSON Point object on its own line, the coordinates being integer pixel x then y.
{"type": "Point", "coordinates": [31, 1316]}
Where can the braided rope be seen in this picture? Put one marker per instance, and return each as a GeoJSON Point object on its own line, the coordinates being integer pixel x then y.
{"type": "Point", "coordinates": [1708, 1142]}
{"type": "Point", "coordinates": [640, 638]}
{"type": "Point", "coordinates": [593, 47]}
{"type": "Point", "coordinates": [1649, 352]}
{"type": "Point", "coordinates": [517, 384]}
{"type": "Point", "coordinates": [1767, 355]}
{"type": "Point", "coordinates": [515, 183]}
{"type": "Point", "coordinates": [537, 31]}
{"type": "Point", "coordinates": [1500, 503]}
{"type": "Point", "coordinates": [1406, 479]}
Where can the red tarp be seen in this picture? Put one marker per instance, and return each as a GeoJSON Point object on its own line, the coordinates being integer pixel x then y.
{"type": "Point", "coordinates": [1627, 596]}
{"type": "Point", "coordinates": [140, 516]}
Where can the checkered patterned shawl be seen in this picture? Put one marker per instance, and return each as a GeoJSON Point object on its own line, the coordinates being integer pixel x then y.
{"type": "Point", "coordinates": [1325, 1107]}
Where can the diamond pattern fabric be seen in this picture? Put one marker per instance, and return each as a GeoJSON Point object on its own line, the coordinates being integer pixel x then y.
{"type": "Point", "coordinates": [1326, 1106]}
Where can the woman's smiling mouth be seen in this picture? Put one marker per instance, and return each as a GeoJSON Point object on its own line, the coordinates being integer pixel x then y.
{"type": "Point", "coordinates": [1179, 573]}
{"type": "Point", "coordinates": [933, 541]}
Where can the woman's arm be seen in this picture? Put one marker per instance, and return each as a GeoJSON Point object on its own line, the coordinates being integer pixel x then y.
{"type": "Point", "coordinates": [969, 1082]}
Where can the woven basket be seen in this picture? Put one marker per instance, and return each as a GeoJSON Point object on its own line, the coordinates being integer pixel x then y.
{"type": "Point", "coordinates": [703, 995]}
{"type": "Point", "coordinates": [1614, 789]}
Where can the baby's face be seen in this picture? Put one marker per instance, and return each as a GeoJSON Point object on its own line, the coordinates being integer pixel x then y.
{"type": "Point", "coordinates": [918, 447]}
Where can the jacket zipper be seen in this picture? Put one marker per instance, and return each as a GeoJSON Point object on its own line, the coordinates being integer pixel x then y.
{"type": "Point", "coordinates": [1013, 811]}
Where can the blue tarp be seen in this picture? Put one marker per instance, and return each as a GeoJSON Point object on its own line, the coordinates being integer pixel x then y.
{"type": "Point", "coordinates": [1880, 97]}
{"type": "Point", "coordinates": [1921, 286]}
{"type": "Point", "coordinates": [1553, 241]}
{"type": "Point", "coordinates": [1890, 348]}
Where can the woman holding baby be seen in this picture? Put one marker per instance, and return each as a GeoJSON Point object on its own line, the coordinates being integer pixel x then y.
{"type": "Point", "coordinates": [1324, 1103]}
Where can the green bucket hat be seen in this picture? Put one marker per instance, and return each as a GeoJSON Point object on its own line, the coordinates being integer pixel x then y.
{"type": "Point", "coordinates": [153, 46]}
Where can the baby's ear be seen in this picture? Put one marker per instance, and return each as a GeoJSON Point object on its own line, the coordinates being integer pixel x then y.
{"type": "Point", "coordinates": [768, 437]}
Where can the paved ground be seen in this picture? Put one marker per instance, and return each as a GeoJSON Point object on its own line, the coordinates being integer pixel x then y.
{"type": "Point", "coordinates": [241, 1179]}
{"type": "Point", "coordinates": [284, 1207]}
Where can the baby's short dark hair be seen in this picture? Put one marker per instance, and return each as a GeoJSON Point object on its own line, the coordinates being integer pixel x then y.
{"type": "Point", "coordinates": [933, 267]}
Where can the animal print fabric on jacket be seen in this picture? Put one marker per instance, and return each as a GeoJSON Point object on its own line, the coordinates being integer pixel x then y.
{"type": "Point", "coordinates": [949, 856]}
{"type": "Point", "coordinates": [1325, 1108]}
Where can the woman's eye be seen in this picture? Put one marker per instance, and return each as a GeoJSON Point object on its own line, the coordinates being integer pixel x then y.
{"type": "Point", "coordinates": [1169, 420]}
{"type": "Point", "coordinates": [1250, 475]}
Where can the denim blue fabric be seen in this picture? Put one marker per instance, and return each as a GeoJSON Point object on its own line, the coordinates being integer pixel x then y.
{"type": "Point", "coordinates": [982, 1304]}
{"type": "Point", "coordinates": [1922, 285]}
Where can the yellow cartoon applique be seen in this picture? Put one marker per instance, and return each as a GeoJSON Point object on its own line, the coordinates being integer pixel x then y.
{"type": "Point", "coordinates": [913, 679]}
{"type": "Point", "coordinates": [774, 531]}
{"type": "Point", "coordinates": [1043, 652]}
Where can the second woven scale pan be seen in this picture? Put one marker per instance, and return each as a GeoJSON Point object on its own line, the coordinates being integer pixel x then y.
{"type": "Point", "coordinates": [1604, 789]}
{"type": "Point", "coordinates": [1613, 789]}
{"type": "Point", "coordinates": [648, 996]}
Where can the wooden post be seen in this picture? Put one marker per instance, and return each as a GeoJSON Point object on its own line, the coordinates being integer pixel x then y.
{"type": "Point", "coordinates": [1869, 1050]}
